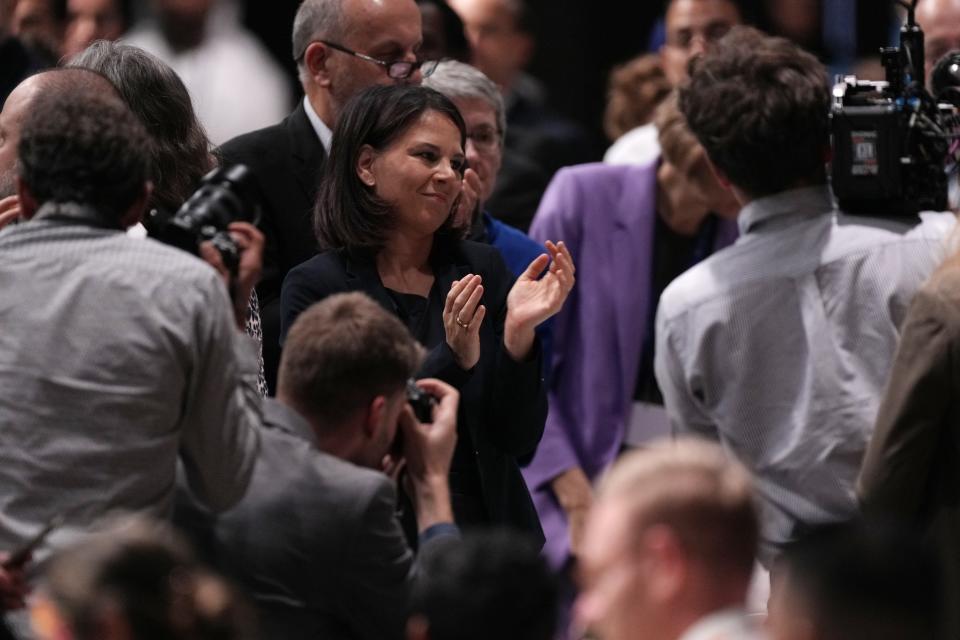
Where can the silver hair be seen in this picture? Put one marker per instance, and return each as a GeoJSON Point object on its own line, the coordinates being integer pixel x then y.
{"type": "Point", "coordinates": [458, 80]}
{"type": "Point", "coordinates": [315, 20]}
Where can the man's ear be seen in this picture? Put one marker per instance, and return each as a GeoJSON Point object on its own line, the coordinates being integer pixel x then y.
{"type": "Point", "coordinates": [317, 58]}
{"type": "Point", "coordinates": [742, 197]}
{"type": "Point", "coordinates": [138, 209]}
{"type": "Point", "coordinates": [365, 162]}
{"type": "Point", "coordinates": [418, 628]}
{"type": "Point", "coordinates": [668, 563]}
{"type": "Point", "coordinates": [375, 416]}
{"type": "Point", "coordinates": [28, 204]}
{"type": "Point", "coordinates": [718, 173]}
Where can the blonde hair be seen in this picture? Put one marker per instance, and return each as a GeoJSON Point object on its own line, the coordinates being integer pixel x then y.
{"type": "Point", "coordinates": [695, 489]}
{"type": "Point", "coordinates": [678, 145]}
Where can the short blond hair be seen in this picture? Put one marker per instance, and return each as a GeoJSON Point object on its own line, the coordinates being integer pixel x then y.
{"type": "Point", "coordinates": [678, 145]}
{"type": "Point", "coordinates": [692, 487]}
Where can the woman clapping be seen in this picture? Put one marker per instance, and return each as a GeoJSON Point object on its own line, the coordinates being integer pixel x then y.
{"type": "Point", "coordinates": [384, 219]}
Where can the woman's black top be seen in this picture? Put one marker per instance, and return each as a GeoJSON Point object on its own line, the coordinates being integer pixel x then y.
{"type": "Point", "coordinates": [424, 318]}
{"type": "Point", "coordinates": [503, 402]}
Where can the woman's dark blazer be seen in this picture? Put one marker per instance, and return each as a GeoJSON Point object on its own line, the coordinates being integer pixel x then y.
{"type": "Point", "coordinates": [503, 403]}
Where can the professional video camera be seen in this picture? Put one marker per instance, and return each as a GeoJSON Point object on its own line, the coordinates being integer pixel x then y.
{"type": "Point", "coordinates": [225, 195]}
{"type": "Point", "coordinates": [891, 140]}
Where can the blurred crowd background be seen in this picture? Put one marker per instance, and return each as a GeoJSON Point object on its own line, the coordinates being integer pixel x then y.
{"type": "Point", "coordinates": [576, 43]}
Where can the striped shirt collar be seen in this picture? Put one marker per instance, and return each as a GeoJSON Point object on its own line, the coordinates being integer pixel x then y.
{"type": "Point", "coordinates": [788, 206]}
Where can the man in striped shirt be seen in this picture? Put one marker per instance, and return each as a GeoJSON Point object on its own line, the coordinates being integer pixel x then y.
{"type": "Point", "coordinates": [117, 355]}
{"type": "Point", "coordinates": [780, 345]}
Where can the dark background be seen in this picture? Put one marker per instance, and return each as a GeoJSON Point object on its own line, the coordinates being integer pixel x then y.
{"type": "Point", "coordinates": [579, 41]}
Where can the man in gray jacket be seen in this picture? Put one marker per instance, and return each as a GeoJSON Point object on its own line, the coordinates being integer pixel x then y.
{"type": "Point", "coordinates": [317, 540]}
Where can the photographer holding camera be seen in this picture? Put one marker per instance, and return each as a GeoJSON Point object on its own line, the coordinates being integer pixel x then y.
{"type": "Point", "coordinates": [780, 345]}
{"type": "Point", "coordinates": [317, 540]}
{"type": "Point", "coordinates": [116, 354]}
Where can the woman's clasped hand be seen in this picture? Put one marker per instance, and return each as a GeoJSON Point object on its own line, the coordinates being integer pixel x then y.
{"type": "Point", "coordinates": [462, 316]}
{"type": "Point", "coordinates": [534, 298]}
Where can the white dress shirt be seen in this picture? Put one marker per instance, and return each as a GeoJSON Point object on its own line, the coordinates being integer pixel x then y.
{"type": "Point", "coordinates": [780, 345]}
{"type": "Point", "coordinates": [235, 85]}
{"type": "Point", "coordinates": [637, 146]}
{"type": "Point", "coordinates": [323, 131]}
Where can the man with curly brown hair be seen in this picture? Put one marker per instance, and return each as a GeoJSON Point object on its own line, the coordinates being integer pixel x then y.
{"type": "Point", "coordinates": [779, 346]}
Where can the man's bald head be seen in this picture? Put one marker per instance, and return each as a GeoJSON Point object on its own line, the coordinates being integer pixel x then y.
{"type": "Point", "coordinates": [80, 144]}
{"type": "Point", "coordinates": [940, 21]}
{"type": "Point", "coordinates": [63, 79]}
{"type": "Point", "coordinates": [18, 105]}
{"type": "Point", "coordinates": [316, 20]}
{"type": "Point", "coordinates": [11, 119]}
{"type": "Point", "coordinates": [385, 31]}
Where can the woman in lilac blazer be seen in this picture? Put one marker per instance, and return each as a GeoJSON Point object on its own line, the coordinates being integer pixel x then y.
{"type": "Point", "coordinates": [613, 218]}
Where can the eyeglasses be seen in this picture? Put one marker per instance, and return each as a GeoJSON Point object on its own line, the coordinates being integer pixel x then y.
{"type": "Point", "coordinates": [396, 69]}
{"type": "Point", "coordinates": [484, 138]}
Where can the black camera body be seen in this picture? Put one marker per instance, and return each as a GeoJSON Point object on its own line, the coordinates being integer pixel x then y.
{"type": "Point", "coordinates": [225, 195]}
{"type": "Point", "coordinates": [891, 139]}
{"type": "Point", "coordinates": [421, 402]}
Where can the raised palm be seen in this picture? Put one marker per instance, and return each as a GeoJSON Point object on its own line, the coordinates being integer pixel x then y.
{"type": "Point", "coordinates": [534, 299]}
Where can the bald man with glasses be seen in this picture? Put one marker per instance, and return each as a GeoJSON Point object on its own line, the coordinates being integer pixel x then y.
{"type": "Point", "coordinates": [341, 47]}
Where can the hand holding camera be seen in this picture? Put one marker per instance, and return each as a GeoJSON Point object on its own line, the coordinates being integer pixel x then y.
{"type": "Point", "coordinates": [428, 446]}
{"type": "Point", "coordinates": [248, 242]}
{"type": "Point", "coordinates": [218, 224]}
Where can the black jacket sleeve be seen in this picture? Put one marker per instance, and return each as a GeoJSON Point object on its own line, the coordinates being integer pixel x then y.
{"type": "Point", "coordinates": [516, 407]}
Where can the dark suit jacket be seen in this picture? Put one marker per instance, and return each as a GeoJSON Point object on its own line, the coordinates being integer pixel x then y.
{"type": "Point", "coordinates": [286, 160]}
{"type": "Point", "coordinates": [551, 140]}
{"type": "Point", "coordinates": [315, 541]}
{"type": "Point", "coordinates": [503, 402]}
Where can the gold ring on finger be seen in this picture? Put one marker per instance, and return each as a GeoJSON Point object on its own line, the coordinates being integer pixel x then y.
{"type": "Point", "coordinates": [461, 323]}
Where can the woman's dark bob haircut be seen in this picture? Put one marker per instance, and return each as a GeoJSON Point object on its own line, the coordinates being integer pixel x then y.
{"type": "Point", "coordinates": [158, 98]}
{"type": "Point", "coordinates": [349, 214]}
